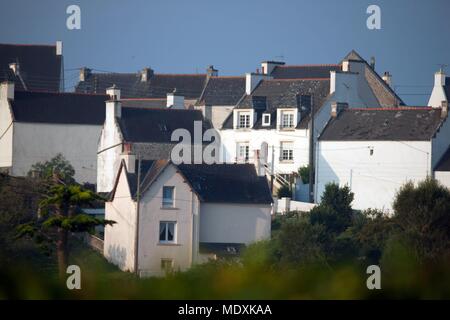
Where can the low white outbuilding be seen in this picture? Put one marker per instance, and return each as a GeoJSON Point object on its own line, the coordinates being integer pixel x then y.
{"type": "Point", "coordinates": [179, 215]}
{"type": "Point", "coordinates": [376, 151]}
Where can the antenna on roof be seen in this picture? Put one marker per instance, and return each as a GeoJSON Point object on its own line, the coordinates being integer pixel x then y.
{"type": "Point", "coordinates": [442, 66]}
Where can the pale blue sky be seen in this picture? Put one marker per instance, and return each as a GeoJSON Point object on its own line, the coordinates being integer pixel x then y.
{"type": "Point", "coordinates": [175, 36]}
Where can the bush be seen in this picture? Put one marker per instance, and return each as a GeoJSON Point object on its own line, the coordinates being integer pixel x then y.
{"type": "Point", "coordinates": [284, 192]}
{"type": "Point", "coordinates": [303, 172]}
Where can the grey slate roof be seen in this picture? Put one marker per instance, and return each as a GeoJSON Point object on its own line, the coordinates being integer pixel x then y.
{"type": "Point", "coordinates": [382, 124]}
{"type": "Point", "coordinates": [131, 86]}
{"type": "Point", "coordinates": [223, 91]}
{"type": "Point", "coordinates": [217, 183]}
{"type": "Point", "coordinates": [282, 93]}
{"type": "Point", "coordinates": [62, 108]}
{"type": "Point", "coordinates": [304, 71]}
{"type": "Point", "coordinates": [145, 103]}
{"type": "Point", "coordinates": [156, 125]}
{"type": "Point", "coordinates": [40, 67]}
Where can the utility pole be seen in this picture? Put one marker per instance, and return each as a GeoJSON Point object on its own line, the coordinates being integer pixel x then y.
{"type": "Point", "coordinates": [138, 200]}
{"type": "Point", "coordinates": [272, 173]}
{"type": "Point", "coordinates": [311, 154]}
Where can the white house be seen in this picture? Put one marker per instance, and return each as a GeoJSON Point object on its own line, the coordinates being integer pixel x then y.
{"type": "Point", "coordinates": [140, 127]}
{"type": "Point", "coordinates": [270, 125]}
{"type": "Point", "coordinates": [181, 215]}
{"type": "Point", "coordinates": [375, 151]}
{"type": "Point", "coordinates": [35, 126]}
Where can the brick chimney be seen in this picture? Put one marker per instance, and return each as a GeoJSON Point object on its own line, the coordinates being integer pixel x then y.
{"type": "Point", "coordinates": [84, 73]}
{"type": "Point", "coordinates": [175, 100]}
{"type": "Point", "coordinates": [146, 74]}
{"type": "Point", "coordinates": [337, 107]}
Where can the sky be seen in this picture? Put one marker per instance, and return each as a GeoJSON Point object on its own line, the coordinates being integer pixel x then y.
{"type": "Point", "coordinates": [176, 36]}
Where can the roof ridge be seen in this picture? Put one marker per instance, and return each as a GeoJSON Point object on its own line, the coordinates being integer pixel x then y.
{"type": "Point", "coordinates": [391, 108]}
{"type": "Point", "coordinates": [309, 65]}
{"type": "Point", "coordinates": [27, 45]}
{"type": "Point", "coordinates": [61, 93]}
{"type": "Point", "coordinates": [297, 79]}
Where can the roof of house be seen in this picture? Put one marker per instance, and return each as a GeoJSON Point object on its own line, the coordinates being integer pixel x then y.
{"type": "Point", "coordinates": [40, 67]}
{"type": "Point", "coordinates": [223, 91]}
{"type": "Point", "coordinates": [382, 91]}
{"type": "Point", "coordinates": [217, 183]}
{"type": "Point", "coordinates": [283, 93]}
{"type": "Point", "coordinates": [447, 88]}
{"type": "Point", "coordinates": [158, 85]}
{"type": "Point", "coordinates": [145, 103]}
{"type": "Point", "coordinates": [62, 108]}
{"type": "Point", "coordinates": [444, 162]}
{"type": "Point", "coordinates": [156, 125]}
{"type": "Point", "coordinates": [383, 124]}
{"type": "Point", "coordinates": [304, 71]}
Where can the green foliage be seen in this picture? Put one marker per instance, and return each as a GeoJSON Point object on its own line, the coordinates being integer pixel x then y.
{"type": "Point", "coordinates": [335, 211]}
{"type": "Point", "coordinates": [284, 192]}
{"type": "Point", "coordinates": [423, 214]}
{"type": "Point", "coordinates": [303, 172]}
{"type": "Point", "coordinates": [58, 165]}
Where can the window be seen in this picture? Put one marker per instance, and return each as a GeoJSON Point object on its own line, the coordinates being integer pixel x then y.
{"type": "Point", "coordinates": [244, 120]}
{"type": "Point", "coordinates": [168, 195]}
{"type": "Point", "coordinates": [266, 119]}
{"type": "Point", "coordinates": [242, 151]}
{"type": "Point", "coordinates": [287, 151]}
{"type": "Point", "coordinates": [167, 231]}
{"type": "Point", "coordinates": [167, 265]}
{"type": "Point", "coordinates": [287, 120]}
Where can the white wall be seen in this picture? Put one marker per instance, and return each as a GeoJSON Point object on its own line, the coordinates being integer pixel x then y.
{"type": "Point", "coordinates": [108, 161]}
{"type": "Point", "coordinates": [6, 134]}
{"type": "Point", "coordinates": [374, 179]}
{"type": "Point", "coordinates": [443, 177]}
{"type": "Point", "coordinates": [272, 137]}
{"type": "Point", "coordinates": [39, 142]}
{"type": "Point", "coordinates": [234, 223]}
{"type": "Point", "coordinates": [151, 251]}
{"type": "Point", "coordinates": [119, 238]}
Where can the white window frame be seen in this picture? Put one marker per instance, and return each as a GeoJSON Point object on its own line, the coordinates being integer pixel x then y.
{"type": "Point", "coordinates": [266, 123]}
{"type": "Point", "coordinates": [245, 115]}
{"type": "Point", "coordinates": [168, 205]}
{"type": "Point", "coordinates": [166, 232]}
{"type": "Point", "coordinates": [246, 157]}
{"type": "Point", "coordinates": [289, 122]}
{"type": "Point", "coordinates": [287, 154]}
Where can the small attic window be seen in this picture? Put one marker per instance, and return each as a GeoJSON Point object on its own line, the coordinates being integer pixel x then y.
{"type": "Point", "coordinates": [266, 119]}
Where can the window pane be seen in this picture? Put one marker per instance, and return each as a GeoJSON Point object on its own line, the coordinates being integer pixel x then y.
{"type": "Point", "coordinates": [171, 231]}
{"type": "Point", "coordinates": [168, 196]}
{"type": "Point", "coordinates": [162, 231]}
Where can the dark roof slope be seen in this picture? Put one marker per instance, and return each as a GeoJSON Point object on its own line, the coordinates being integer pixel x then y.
{"type": "Point", "coordinates": [40, 67]}
{"type": "Point", "coordinates": [283, 93]}
{"type": "Point", "coordinates": [396, 124]}
{"type": "Point", "coordinates": [144, 103]}
{"type": "Point", "coordinates": [304, 71]}
{"type": "Point", "coordinates": [227, 183]}
{"type": "Point", "coordinates": [447, 88]}
{"type": "Point", "coordinates": [188, 85]}
{"type": "Point", "coordinates": [223, 91]}
{"type": "Point", "coordinates": [156, 125]}
{"type": "Point", "coordinates": [63, 108]}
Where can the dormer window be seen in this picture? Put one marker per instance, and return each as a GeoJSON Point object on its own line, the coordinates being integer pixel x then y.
{"type": "Point", "coordinates": [266, 119]}
{"type": "Point", "coordinates": [244, 120]}
{"type": "Point", "coordinates": [287, 119]}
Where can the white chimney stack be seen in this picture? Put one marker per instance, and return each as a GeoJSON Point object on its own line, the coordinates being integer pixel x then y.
{"type": "Point", "coordinates": [337, 107]}
{"type": "Point", "coordinates": [59, 48]}
{"type": "Point", "coordinates": [7, 90]}
{"type": "Point", "coordinates": [84, 73]}
{"type": "Point", "coordinates": [130, 161]}
{"type": "Point", "coordinates": [15, 67]}
{"type": "Point", "coordinates": [438, 94]}
{"type": "Point", "coordinates": [146, 74]}
{"type": "Point", "coordinates": [174, 100]}
{"type": "Point", "coordinates": [113, 105]}
{"type": "Point", "coordinates": [268, 66]}
{"type": "Point", "coordinates": [387, 77]}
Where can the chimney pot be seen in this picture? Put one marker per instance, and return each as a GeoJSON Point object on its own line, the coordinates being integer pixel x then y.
{"type": "Point", "coordinates": [59, 48]}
